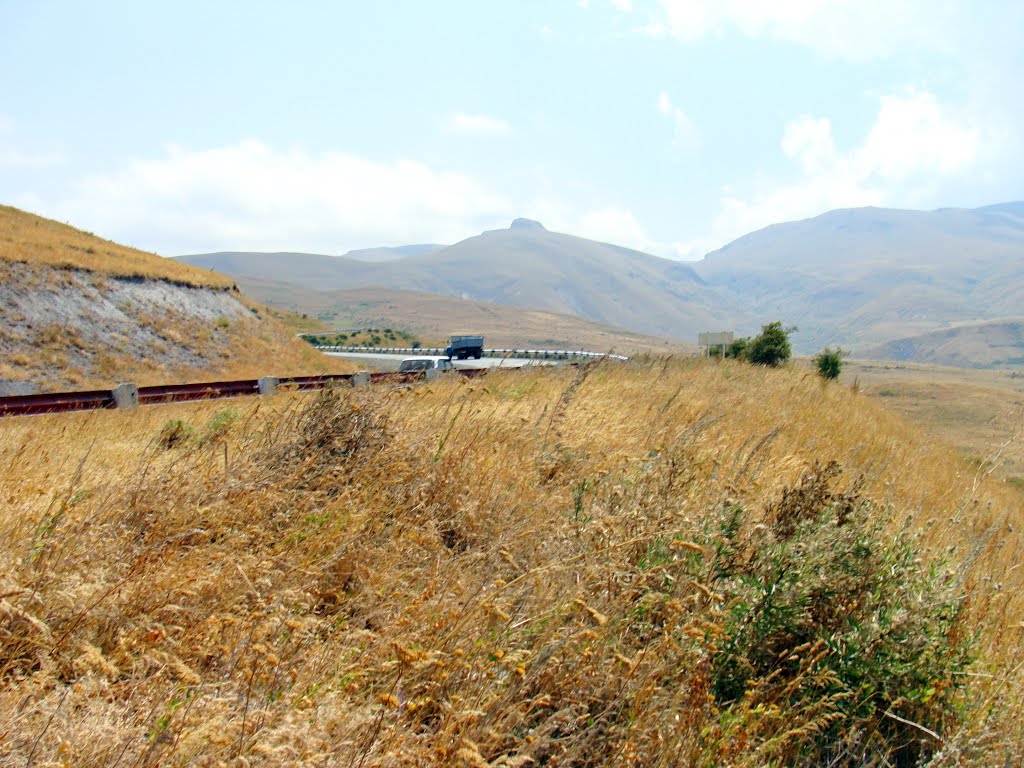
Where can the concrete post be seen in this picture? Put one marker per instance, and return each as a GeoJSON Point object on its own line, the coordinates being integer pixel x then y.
{"type": "Point", "coordinates": [267, 385]}
{"type": "Point", "coordinates": [126, 396]}
{"type": "Point", "coordinates": [361, 379]}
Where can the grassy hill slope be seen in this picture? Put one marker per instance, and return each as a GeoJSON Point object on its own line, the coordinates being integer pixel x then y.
{"type": "Point", "coordinates": [27, 238]}
{"type": "Point", "coordinates": [79, 312]}
{"type": "Point", "coordinates": [654, 563]}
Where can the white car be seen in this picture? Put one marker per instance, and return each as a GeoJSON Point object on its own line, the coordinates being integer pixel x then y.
{"type": "Point", "coordinates": [426, 363]}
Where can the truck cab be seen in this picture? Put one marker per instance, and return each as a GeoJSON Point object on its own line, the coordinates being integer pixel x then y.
{"type": "Point", "coordinates": [464, 347]}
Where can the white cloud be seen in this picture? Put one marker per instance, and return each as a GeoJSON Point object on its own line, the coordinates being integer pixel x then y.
{"type": "Point", "coordinates": [617, 226]}
{"type": "Point", "coordinates": [546, 32]}
{"type": "Point", "coordinates": [914, 133]}
{"type": "Point", "coordinates": [251, 196]}
{"type": "Point", "coordinates": [855, 29]}
{"type": "Point", "coordinates": [626, 6]}
{"type": "Point", "coordinates": [913, 144]}
{"type": "Point", "coordinates": [477, 125]}
{"type": "Point", "coordinates": [685, 136]}
{"type": "Point", "coordinates": [809, 141]}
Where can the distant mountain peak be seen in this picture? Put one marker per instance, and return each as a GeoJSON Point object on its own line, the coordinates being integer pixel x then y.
{"type": "Point", "coordinates": [526, 224]}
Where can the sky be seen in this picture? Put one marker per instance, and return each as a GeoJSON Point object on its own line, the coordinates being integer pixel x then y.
{"type": "Point", "coordinates": [670, 126]}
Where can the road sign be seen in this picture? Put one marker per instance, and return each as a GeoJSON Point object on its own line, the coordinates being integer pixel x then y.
{"type": "Point", "coordinates": [709, 339]}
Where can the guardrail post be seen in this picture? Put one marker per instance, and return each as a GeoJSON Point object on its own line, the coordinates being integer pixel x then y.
{"type": "Point", "coordinates": [126, 396]}
{"type": "Point", "coordinates": [360, 379]}
{"type": "Point", "coordinates": [267, 385]}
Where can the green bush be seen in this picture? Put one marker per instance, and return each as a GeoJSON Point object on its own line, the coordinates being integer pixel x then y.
{"type": "Point", "coordinates": [771, 347]}
{"type": "Point", "coordinates": [736, 349]}
{"type": "Point", "coordinates": [835, 624]}
{"type": "Point", "coordinates": [829, 362]}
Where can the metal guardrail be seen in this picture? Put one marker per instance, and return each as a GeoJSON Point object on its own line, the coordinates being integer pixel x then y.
{"type": "Point", "coordinates": [18, 405]}
{"type": "Point", "coordinates": [127, 395]}
{"type": "Point", "coordinates": [545, 354]}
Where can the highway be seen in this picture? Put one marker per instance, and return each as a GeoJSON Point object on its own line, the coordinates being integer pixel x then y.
{"type": "Point", "coordinates": [386, 362]}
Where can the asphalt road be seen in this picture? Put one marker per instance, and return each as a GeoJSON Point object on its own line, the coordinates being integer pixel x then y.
{"type": "Point", "coordinates": [381, 362]}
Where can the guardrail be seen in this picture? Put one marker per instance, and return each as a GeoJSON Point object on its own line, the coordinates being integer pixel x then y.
{"type": "Point", "coordinates": [543, 354]}
{"type": "Point", "coordinates": [129, 396]}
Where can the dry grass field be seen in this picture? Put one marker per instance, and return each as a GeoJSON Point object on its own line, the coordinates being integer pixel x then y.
{"type": "Point", "coordinates": [25, 237]}
{"type": "Point", "coordinates": [664, 562]}
{"type": "Point", "coordinates": [981, 412]}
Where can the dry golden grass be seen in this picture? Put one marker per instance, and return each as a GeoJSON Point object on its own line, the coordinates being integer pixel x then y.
{"type": "Point", "coordinates": [25, 237]}
{"type": "Point", "coordinates": [505, 571]}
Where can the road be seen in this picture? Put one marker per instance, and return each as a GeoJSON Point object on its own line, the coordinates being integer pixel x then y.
{"type": "Point", "coordinates": [383, 362]}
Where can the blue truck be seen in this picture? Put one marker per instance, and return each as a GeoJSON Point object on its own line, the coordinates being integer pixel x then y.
{"type": "Point", "coordinates": [463, 347]}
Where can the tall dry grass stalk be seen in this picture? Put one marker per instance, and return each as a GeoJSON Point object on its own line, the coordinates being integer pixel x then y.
{"type": "Point", "coordinates": [545, 567]}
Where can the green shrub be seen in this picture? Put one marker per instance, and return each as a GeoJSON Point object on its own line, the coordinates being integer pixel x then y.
{"type": "Point", "coordinates": [829, 362]}
{"type": "Point", "coordinates": [737, 349]}
{"type": "Point", "coordinates": [771, 347]}
{"type": "Point", "coordinates": [835, 624]}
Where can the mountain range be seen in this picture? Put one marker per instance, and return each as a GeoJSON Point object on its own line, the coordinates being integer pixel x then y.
{"type": "Point", "coordinates": [871, 280]}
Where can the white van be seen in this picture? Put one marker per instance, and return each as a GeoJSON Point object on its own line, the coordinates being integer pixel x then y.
{"type": "Point", "coordinates": [426, 363]}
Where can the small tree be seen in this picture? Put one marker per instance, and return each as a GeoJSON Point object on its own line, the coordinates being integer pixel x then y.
{"type": "Point", "coordinates": [738, 348]}
{"type": "Point", "coordinates": [771, 347]}
{"type": "Point", "coordinates": [830, 362]}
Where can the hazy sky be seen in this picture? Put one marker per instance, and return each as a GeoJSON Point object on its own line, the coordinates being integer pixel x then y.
{"type": "Point", "coordinates": [672, 126]}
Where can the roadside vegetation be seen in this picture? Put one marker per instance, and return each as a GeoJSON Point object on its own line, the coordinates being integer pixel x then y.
{"type": "Point", "coordinates": [662, 562]}
{"type": "Point", "coordinates": [829, 362]}
{"type": "Point", "coordinates": [771, 347]}
{"type": "Point", "coordinates": [365, 337]}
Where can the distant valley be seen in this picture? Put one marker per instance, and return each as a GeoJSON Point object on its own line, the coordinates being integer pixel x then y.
{"type": "Point", "coordinates": [871, 280]}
